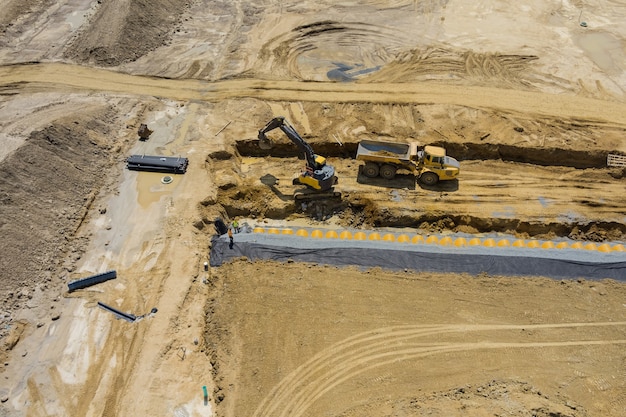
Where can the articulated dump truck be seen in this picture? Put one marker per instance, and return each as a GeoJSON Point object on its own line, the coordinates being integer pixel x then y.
{"type": "Point", "coordinates": [429, 164]}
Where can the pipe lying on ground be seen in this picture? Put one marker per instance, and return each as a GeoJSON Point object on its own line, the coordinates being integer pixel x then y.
{"type": "Point", "coordinates": [92, 280]}
{"type": "Point", "coordinates": [119, 314]}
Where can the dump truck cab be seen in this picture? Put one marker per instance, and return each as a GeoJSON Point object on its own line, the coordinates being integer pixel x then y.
{"type": "Point", "coordinates": [436, 166]}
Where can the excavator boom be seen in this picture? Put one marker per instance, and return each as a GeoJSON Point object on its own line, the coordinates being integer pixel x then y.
{"type": "Point", "coordinates": [291, 133]}
{"type": "Point", "coordinates": [318, 175]}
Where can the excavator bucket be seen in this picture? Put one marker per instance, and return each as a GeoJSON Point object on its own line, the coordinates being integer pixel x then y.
{"type": "Point", "coordinates": [265, 143]}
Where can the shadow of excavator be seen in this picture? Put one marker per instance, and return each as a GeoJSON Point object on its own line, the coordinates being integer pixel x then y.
{"type": "Point", "coordinates": [271, 181]}
{"type": "Point", "coordinates": [319, 206]}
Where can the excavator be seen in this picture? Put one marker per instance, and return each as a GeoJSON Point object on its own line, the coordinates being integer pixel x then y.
{"type": "Point", "coordinates": [318, 176]}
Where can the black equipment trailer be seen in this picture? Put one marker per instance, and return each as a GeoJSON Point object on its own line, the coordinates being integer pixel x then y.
{"type": "Point", "coordinates": [169, 164]}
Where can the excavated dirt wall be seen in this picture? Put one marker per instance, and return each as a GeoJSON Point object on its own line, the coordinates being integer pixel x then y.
{"type": "Point", "coordinates": [461, 151]}
{"type": "Point", "coordinates": [359, 212]}
{"type": "Point", "coordinates": [537, 156]}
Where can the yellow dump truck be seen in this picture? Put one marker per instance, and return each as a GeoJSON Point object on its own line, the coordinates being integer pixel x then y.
{"type": "Point", "coordinates": [429, 164]}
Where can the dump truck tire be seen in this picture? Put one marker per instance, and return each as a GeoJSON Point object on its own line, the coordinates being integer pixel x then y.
{"type": "Point", "coordinates": [388, 172]}
{"type": "Point", "coordinates": [429, 178]}
{"type": "Point", "coordinates": [370, 169]}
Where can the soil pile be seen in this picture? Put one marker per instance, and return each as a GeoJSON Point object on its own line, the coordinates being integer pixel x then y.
{"type": "Point", "coordinates": [122, 32]}
{"type": "Point", "coordinates": [47, 187]}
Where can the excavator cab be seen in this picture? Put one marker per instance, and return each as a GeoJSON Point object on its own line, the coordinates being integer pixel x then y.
{"type": "Point", "coordinates": [320, 161]}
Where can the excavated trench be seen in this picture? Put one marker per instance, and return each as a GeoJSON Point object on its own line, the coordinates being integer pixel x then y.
{"type": "Point", "coordinates": [460, 151]}
{"type": "Point", "coordinates": [355, 211]}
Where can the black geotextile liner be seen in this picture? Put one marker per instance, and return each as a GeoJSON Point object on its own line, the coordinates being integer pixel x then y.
{"type": "Point", "coordinates": [421, 261]}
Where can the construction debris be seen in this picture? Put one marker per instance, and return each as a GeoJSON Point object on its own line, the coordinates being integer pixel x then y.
{"type": "Point", "coordinates": [143, 132]}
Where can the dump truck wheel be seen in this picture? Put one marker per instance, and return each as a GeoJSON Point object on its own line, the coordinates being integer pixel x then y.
{"type": "Point", "coordinates": [388, 172]}
{"type": "Point", "coordinates": [429, 178]}
{"type": "Point", "coordinates": [370, 170]}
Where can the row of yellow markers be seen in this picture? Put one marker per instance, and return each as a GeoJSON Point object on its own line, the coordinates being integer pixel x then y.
{"type": "Point", "coordinates": [441, 240]}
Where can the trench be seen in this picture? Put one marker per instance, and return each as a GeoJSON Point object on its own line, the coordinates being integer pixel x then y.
{"type": "Point", "coordinates": [460, 151]}
{"type": "Point", "coordinates": [354, 212]}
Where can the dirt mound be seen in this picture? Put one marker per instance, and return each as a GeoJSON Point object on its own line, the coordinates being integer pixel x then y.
{"type": "Point", "coordinates": [498, 397]}
{"type": "Point", "coordinates": [254, 201]}
{"type": "Point", "coordinates": [123, 32]}
{"type": "Point", "coordinates": [509, 71]}
{"type": "Point", "coordinates": [13, 11]}
{"type": "Point", "coordinates": [46, 189]}
{"type": "Point", "coordinates": [335, 129]}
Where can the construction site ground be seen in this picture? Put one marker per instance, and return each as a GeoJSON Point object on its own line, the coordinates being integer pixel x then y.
{"type": "Point", "coordinates": [529, 97]}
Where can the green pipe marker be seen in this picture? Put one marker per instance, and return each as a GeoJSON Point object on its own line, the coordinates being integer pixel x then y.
{"type": "Point", "coordinates": [206, 393]}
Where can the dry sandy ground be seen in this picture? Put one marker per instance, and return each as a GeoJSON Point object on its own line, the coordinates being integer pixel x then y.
{"type": "Point", "coordinates": [353, 343]}
{"type": "Point", "coordinates": [529, 100]}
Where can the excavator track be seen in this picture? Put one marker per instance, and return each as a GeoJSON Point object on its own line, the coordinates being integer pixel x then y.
{"type": "Point", "coordinates": [317, 196]}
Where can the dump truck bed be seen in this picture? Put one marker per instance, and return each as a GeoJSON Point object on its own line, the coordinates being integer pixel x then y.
{"type": "Point", "coordinates": [372, 148]}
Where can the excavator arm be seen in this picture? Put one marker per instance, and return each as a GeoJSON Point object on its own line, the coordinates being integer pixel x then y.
{"type": "Point", "coordinates": [318, 175]}
{"type": "Point", "coordinates": [313, 161]}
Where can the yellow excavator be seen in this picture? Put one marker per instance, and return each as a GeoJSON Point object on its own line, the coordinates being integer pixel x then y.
{"type": "Point", "coordinates": [318, 176]}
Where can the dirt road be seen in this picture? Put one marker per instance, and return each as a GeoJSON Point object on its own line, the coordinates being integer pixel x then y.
{"type": "Point", "coordinates": [530, 104]}
{"type": "Point", "coordinates": [526, 97]}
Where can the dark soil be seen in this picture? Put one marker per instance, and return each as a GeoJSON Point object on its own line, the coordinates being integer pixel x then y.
{"type": "Point", "coordinates": [144, 27]}
{"type": "Point", "coordinates": [46, 188]}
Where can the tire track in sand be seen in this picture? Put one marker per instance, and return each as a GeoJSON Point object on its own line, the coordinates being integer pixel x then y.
{"type": "Point", "coordinates": [380, 347]}
{"type": "Point", "coordinates": [65, 78]}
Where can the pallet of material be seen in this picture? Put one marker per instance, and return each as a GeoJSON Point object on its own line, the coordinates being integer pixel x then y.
{"type": "Point", "coordinates": [614, 160]}
{"type": "Point", "coordinates": [169, 164]}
